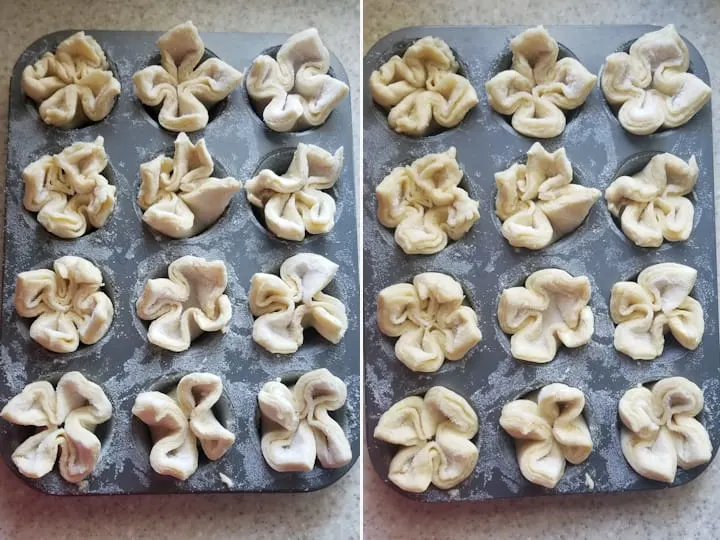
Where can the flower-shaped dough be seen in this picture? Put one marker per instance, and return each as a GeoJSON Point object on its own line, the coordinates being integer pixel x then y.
{"type": "Point", "coordinates": [651, 84]}
{"type": "Point", "coordinates": [177, 423]}
{"type": "Point", "coordinates": [293, 202]}
{"type": "Point", "coordinates": [294, 88]}
{"type": "Point", "coordinates": [424, 204]}
{"type": "Point", "coordinates": [190, 302]}
{"type": "Point", "coordinates": [179, 196]}
{"type": "Point", "coordinates": [296, 426]}
{"type": "Point", "coordinates": [537, 202]}
{"type": "Point", "coordinates": [538, 86]}
{"type": "Point", "coordinates": [72, 85]}
{"type": "Point", "coordinates": [551, 308]}
{"type": "Point", "coordinates": [286, 305]}
{"type": "Point", "coordinates": [68, 303]}
{"type": "Point", "coordinates": [651, 204]}
{"type": "Point", "coordinates": [436, 432]}
{"type": "Point", "coordinates": [67, 416]}
{"type": "Point", "coordinates": [658, 302]}
{"type": "Point", "coordinates": [548, 431]}
{"type": "Point", "coordinates": [659, 430]}
{"type": "Point", "coordinates": [430, 320]}
{"type": "Point", "coordinates": [183, 88]}
{"type": "Point", "coordinates": [423, 89]}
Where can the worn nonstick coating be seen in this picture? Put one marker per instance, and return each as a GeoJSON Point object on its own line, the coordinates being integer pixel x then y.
{"type": "Point", "coordinates": [128, 252]}
{"type": "Point", "coordinates": [485, 264]}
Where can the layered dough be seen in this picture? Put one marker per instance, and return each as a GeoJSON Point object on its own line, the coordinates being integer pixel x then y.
{"type": "Point", "coordinates": [66, 302]}
{"type": "Point", "coordinates": [660, 431]}
{"type": "Point", "coordinates": [294, 203]}
{"type": "Point", "coordinates": [658, 302]}
{"type": "Point", "coordinates": [430, 320]}
{"type": "Point", "coordinates": [296, 426]}
{"type": "Point", "coordinates": [423, 90]}
{"type": "Point", "coordinates": [182, 88]}
{"type": "Point", "coordinates": [435, 432]}
{"type": "Point", "coordinates": [424, 204]}
{"type": "Point", "coordinates": [552, 308]}
{"type": "Point", "coordinates": [650, 84]}
{"type": "Point", "coordinates": [652, 205]}
{"type": "Point", "coordinates": [73, 85]}
{"type": "Point", "coordinates": [537, 202]}
{"type": "Point", "coordinates": [538, 87]}
{"type": "Point", "coordinates": [190, 301]}
{"type": "Point", "coordinates": [68, 190]}
{"type": "Point", "coordinates": [548, 431]}
{"type": "Point", "coordinates": [66, 418]}
{"type": "Point", "coordinates": [284, 306]}
{"type": "Point", "coordinates": [179, 195]}
{"type": "Point", "coordinates": [179, 420]}
{"type": "Point", "coordinates": [294, 89]}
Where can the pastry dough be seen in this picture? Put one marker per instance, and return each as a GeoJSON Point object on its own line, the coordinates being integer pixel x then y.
{"type": "Point", "coordinates": [660, 431]}
{"type": "Point", "coordinates": [651, 84]}
{"type": "Point", "coordinates": [422, 89]}
{"type": "Point", "coordinates": [68, 303]}
{"type": "Point", "coordinates": [190, 302]}
{"type": "Point", "coordinates": [183, 88]}
{"type": "Point", "coordinates": [178, 420]}
{"type": "Point", "coordinates": [67, 417]}
{"type": "Point", "coordinates": [73, 85]}
{"type": "Point", "coordinates": [658, 302]}
{"type": "Point", "coordinates": [548, 431]}
{"type": "Point", "coordinates": [537, 202]}
{"type": "Point", "coordinates": [68, 190]}
{"type": "Point", "coordinates": [296, 426]}
{"type": "Point", "coordinates": [424, 204]}
{"type": "Point", "coordinates": [651, 204]}
{"type": "Point", "coordinates": [538, 87]}
{"type": "Point", "coordinates": [430, 319]}
{"type": "Point", "coordinates": [293, 203]}
{"type": "Point", "coordinates": [550, 309]}
{"type": "Point", "coordinates": [435, 432]}
{"type": "Point", "coordinates": [284, 306]}
{"type": "Point", "coordinates": [179, 196]}
{"type": "Point", "coordinates": [294, 88]}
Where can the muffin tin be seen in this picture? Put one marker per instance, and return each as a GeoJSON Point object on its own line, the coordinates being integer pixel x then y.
{"type": "Point", "coordinates": [485, 264]}
{"type": "Point", "coordinates": [128, 252]}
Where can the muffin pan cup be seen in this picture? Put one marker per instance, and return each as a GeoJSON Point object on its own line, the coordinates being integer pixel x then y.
{"type": "Point", "coordinates": [485, 264]}
{"type": "Point", "coordinates": [128, 252]}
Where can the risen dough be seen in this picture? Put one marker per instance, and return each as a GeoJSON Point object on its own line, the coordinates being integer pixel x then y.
{"type": "Point", "coordinates": [424, 204]}
{"type": "Point", "coordinates": [430, 320]}
{"type": "Point", "coordinates": [180, 419]}
{"type": "Point", "coordinates": [286, 305]}
{"type": "Point", "coordinates": [651, 204]}
{"type": "Point", "coordinates": [293, 203]}
{"type": "Point", "coordinates": [651, 84]}
{"type": "Point", "coordinates": [68, 190]}
{"type": "Point", "coordinates": [179, 196]}
{"type": "Point", "coordinates": [68, 304]}
{"type": "Point", "coordinates": [538, 86]}
{"type": "Point", "coordinates": [296, 426]}
{"type": "Point", "coordinates": [551, 308]}
{"type": "Point", "coordinates": [436, 432]}
{"type": "Point", "coordinates": [72, 85]}
{"type": "Point", "coordinates": [183, 88]}
{"type": "Point", "coordinates": [190, 302]}
{"type": "Point", "coordinates": [537, 202]}
{"type": "Point", "coordinates": [294, 88]}
{"type": "Point", "coordinates": [658, 302]}
{"type": "Point", "coordinates": [68, 416]}
{"type": "Point", "coordinates": [659, 430]}
{"type": "Point", "coordinates": [423, 89]}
